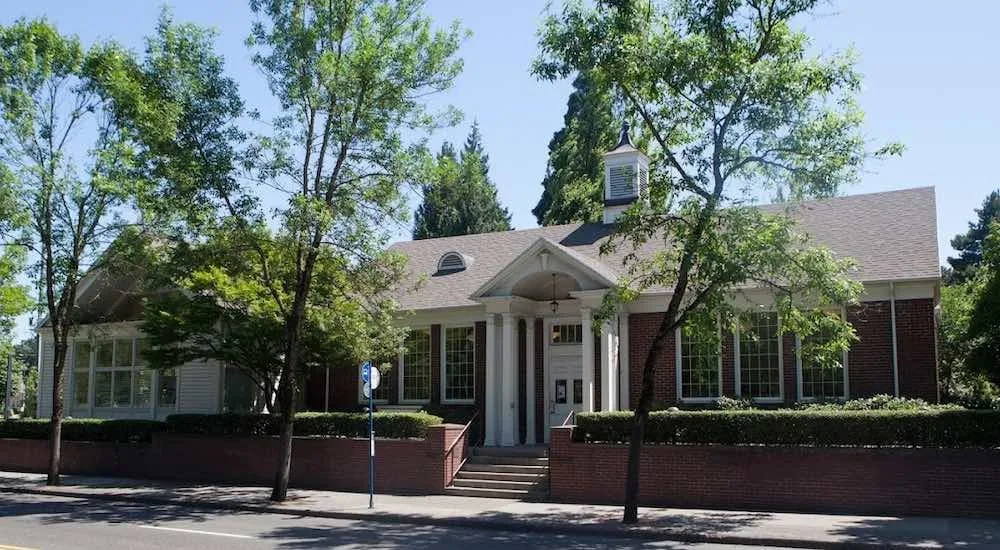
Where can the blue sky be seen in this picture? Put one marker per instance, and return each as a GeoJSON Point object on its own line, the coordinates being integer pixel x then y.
{"type": "Point", "coordinates": [931, 77]}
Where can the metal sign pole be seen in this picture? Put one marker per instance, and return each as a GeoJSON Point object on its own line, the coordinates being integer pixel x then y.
{"type": "Point", "coordinates": [371, 454]}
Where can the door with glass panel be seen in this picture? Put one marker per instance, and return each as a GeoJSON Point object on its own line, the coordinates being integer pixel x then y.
{"type": "Point", "coordinates": [565, 378]}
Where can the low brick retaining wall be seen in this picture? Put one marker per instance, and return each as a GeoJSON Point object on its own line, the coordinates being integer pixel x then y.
{"type": "Point", "coordinates": [942, 482]}
{"type": "Point", "coordinates": [419, 466]}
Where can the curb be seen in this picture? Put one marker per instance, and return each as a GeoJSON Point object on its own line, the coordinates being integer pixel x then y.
{"type": "Point", "coordinates": [492, 524]}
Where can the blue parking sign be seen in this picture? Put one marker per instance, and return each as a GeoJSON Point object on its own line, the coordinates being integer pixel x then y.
{"type": "Point", "coordinates": [366, 369]}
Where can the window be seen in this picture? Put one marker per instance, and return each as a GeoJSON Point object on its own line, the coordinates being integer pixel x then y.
{"type": "Point", "coordinates": [822, 381]}
{"type": "Point", "coordinates": [143, 376]}
{"type": "Point", "coordinates": [567, 334]}
{"type": "Point", "coordinates": [416, 366]}
{"type": "Point", "coordinates": [459, 364]}
{"type": "Point", "coordinates": [119, 375]}
{"type": "Point", "coordinates": [167, 396]}
{"type": "Point", "coordinates": [81, 373]}
{"type": "Point", "coordinates": [760, 356]}
{"type": "Point", "coordinates": [699, 375]}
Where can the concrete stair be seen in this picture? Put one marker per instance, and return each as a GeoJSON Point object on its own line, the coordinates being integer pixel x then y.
{"type": "Point", "coordinates": [504, 472]}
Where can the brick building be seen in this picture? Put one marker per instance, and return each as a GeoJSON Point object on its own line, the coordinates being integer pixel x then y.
{"type": "Point", "coordinates": [503, 323]}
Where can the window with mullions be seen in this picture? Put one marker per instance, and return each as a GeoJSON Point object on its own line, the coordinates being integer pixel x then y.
{"type": "Point", "coordinates": [459, 364]}
{"type": "Point", "coordinates": [819, 380]}
{"type": "Point", "coordinates": [416, 366]}
{"type": "Point", "coordinates": [567, 334]}
{"type": "Point", "coordinates": [81, 373]}
{"type": "Point", "coordinates": [699, 367]}
{"type": "Point", "coordinates": [760, 356]}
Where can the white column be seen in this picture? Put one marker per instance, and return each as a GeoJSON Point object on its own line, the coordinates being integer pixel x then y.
{"type": "Point", "coordinates": [586, 320]}
{"type": "Point", "coordinates": [508, 403]}
{"type": "Point", "coordinates": [490, 407]}
{"type": "Point", "coordinates": [609, 362]}
{"type": "Point", "coordinates": [529, 381]}
{"type": "Point", "coordinates": [546, 381]}
{"type": "Point", "coordinates": [624, 362]}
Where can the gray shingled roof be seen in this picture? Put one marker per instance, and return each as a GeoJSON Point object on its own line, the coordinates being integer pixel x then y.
{"type": "Point", "coordinates": [891, 235]}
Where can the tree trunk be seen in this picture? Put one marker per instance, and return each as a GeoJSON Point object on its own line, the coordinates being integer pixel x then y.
{"type": "Point", "coordinates": [55, 433]}
{"type": "Point", "coordinates": [280, 491]}
{"type": "Point", "coordinates": [640, 418]}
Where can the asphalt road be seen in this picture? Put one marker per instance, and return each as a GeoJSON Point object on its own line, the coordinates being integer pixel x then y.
{"type": "Point", "coordinates": [43, 522]}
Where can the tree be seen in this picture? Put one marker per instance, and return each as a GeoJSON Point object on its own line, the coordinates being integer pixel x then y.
{"type": "Point", "coordinates": [573, 188]}
{"type": "Point", "coordinates": [461, 199]}
{"type": "Point", "coordinates": [735, 105]}
{"type": "Point", "coordinates": [984, 318]}
{"type": "Point", "coordinates": [61, 160]}
{"type": "Point", "coordinates": [351, 80]}
{"type": "Point", "coordinates": [969, 245]}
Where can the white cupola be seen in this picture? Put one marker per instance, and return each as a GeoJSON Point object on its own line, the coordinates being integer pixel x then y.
{"type": "Point", "coordinates": [626, 177]}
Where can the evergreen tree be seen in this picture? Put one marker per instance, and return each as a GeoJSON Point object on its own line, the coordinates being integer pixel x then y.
{"type": "Point", "coordinates": [574, 183]}
{"type": "Point", "coordinates": [970, 244]}
{"type": "Point", "coordinates": [460, 199]}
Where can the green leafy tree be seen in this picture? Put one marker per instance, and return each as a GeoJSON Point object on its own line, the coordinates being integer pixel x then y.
{"type": "Point", "coordinates": [61, 166]}
{"type": "Point", "coordinates": [351, 81]}
{"type": "Point", "coordinates": [573, 188]}
{"type": "Point", "coordinates": [735, 105]}
{"type": "Point", "coordinates": [969, 245]}
{"type": "Point", "coordinates": [461, 199]}
{"type": "Point", "coordinates": [984, 317]}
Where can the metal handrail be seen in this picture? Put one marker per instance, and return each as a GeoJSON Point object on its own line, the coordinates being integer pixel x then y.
{"type": "Point", "coordinates": [461, 433]}
{"type": "Point", "coordinates": [571, 415]}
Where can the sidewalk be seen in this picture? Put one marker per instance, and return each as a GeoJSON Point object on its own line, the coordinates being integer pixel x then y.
{"type": "Point", "coordinates": [757, 528]}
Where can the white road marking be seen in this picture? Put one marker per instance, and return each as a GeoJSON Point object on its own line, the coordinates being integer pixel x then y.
{"type": "Point", "coordinates": [197, 532]}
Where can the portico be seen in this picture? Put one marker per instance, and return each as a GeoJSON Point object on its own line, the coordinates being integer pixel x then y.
{"type": "Point", "coordinates": [540, 325]}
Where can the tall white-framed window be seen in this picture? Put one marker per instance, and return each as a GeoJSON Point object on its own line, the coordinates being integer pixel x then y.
{"type": "Point", "coordinates": [415, 367]}
{"type": "Point", "coordinates": [112, 373]}
{"type": "Point", "coordinates": [759, 368]}
{"type": "Point", "coordinates": [818, 381]}
{"type": "Point", "coordinates": [81, 373]}
{"type": "Point", "coordinates": [458, 365]}
{"type": "Point", "coordinates": [699, 367]}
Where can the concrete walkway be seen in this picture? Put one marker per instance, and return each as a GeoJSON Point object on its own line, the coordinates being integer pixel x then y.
{"type": "Point", "coordinates": [756, 528]}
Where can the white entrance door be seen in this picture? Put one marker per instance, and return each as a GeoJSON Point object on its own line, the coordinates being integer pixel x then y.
{"type": "Point", "coordinates": [565, 381]}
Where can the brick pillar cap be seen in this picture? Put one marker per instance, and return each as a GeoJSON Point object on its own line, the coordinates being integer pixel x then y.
{"type": "Point", "coordinates": [446, 427]}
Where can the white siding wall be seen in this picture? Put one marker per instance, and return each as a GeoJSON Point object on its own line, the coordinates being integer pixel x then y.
{"type": "Point", "coordinates": [199, 385]}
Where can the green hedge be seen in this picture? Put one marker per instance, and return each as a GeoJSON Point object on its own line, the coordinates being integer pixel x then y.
{"type": "Point", "coordinates": [84, 429]}
{"type": "Point", "coordinates": [910, 428]}
{"type": "Point", "coordinates": [394, 425]}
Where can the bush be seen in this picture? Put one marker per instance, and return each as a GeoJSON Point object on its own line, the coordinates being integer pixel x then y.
{"type": "Point", "coordinates": [731, 404]}
{"type": "Point", "coordinates": [882, 402]}
{"type": "Point", "coordinates": [85, 429]}
{"type": "Point", "coordinates": [393, 425]}
{"type": "Point", "coordinates": [822, 428]}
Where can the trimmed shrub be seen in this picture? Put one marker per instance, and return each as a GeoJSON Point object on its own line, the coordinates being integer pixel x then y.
{"type": "Point", "coordinates": [84, 429]}
{"type": "Point", "coordinates": [820, 428]}
{"type": "Point", "coordinates": [392, 425]}
{"type": "Point", "coordinates": [881, 402]}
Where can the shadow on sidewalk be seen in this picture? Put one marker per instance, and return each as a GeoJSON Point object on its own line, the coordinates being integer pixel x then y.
{"type": "Point", "coordinates": [949, 533]}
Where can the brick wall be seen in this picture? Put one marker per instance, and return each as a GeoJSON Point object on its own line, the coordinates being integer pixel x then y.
{"type": "Point", "coordinates": [916, 337]}
{"type": "Point", "coordinates": [401, 466]}
{"type": "Point", "coordinates": [869, 360]}
{"type": "Point", "coordinates": [941, 482]}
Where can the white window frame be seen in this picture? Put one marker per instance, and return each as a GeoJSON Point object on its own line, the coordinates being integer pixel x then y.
{"type": "Point", "coordinates": [678, 366]}
{"type": "Point", "coordinates": [444, 369]}
{"type": "Point", "coordinates": [92, 370]}
{"type": "Point", "coordinates": [798, 369]}
{"type": "Point", "coordinates": [430, 367]}
{"type": "Point", "coordinates": [781, 365]}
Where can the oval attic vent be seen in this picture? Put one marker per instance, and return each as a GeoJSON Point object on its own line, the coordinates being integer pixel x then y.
{"type": "Point", "coordinates": [452, 261]}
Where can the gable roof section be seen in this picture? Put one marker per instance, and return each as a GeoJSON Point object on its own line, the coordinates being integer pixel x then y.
{"type": "Point", "coordinates": [891, 235]}
{"type": "Point", "coordinates": [588, 266]}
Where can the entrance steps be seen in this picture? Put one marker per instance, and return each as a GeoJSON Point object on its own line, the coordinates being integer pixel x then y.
{"type": "Point", "coordinates": [504, 472]}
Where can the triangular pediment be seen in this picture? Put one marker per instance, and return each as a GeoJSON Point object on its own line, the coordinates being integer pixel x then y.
{"type": "Point", "coordinates": [543, 257]}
